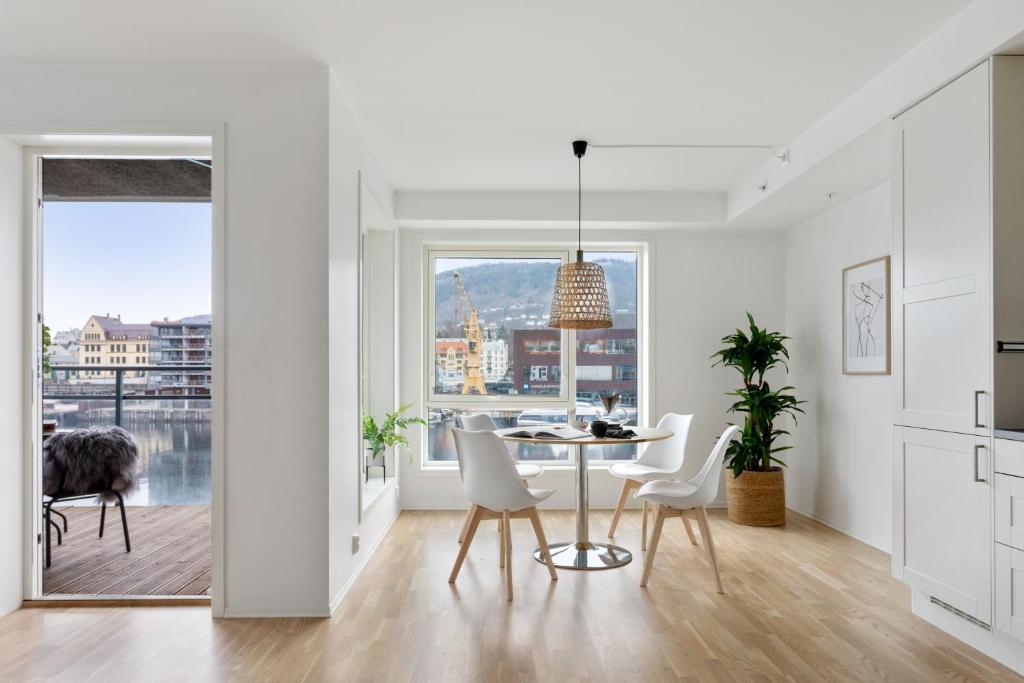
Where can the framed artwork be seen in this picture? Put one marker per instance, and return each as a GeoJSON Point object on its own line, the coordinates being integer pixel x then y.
{"type": "Point", "coordinates": [866, 318]}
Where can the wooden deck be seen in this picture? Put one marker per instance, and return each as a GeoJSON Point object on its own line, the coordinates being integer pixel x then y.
{"type": "Point", "coordinates": [170, 553]}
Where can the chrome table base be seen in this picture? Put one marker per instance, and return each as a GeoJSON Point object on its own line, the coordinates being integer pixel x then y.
{"type": "Point", "coordinates": [581, 553]}
{"type": "Point", "coordinates": [586, 555]}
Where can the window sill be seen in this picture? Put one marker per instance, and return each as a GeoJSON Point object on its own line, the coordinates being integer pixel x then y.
{"type": "Point", "coordinates": [559, 468]}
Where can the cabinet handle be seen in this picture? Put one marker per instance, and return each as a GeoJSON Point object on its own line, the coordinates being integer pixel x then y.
{"type": "Point", "coordinates": [977, 394]}
{"type": "Point", "coordinates": [977, 449]}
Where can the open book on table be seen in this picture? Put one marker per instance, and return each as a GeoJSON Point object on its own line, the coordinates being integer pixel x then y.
{"type": "Point", "coordinates": [553, 432]}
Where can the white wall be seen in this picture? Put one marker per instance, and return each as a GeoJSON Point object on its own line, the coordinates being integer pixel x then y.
{"type": "Point", "coordinates": [12, 408]}
{"type": "Point", "coordinates": [286, 222]}
{"type": "Point", "coordinates": [350, 157]}
{"type": "Point", "coordinates": [840, 467]}
{"type": "Point", "coordinates": [701, 284]}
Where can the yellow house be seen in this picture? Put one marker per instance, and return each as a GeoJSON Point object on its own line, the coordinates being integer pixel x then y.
{"type": "Point", "coordinates": [107, 342]}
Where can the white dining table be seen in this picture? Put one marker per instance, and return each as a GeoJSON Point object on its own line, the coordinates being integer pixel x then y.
{"type": "Point", "coordinates": [582, 553]}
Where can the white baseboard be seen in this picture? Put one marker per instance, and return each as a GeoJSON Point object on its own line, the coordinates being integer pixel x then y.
{"type": "Point", "coordinates": [632, 505]}
{"type": "Point", "coordinates": [832, 525]}
{"type": "Point", "coordinates": [274, 612]}
{"type": "Point", "coordinates": [361, 565]}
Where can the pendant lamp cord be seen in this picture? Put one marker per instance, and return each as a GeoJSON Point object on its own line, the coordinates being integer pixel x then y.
{"type": "Point", "coordinates": [579, 208]}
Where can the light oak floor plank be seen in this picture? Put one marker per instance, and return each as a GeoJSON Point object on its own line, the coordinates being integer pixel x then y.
{"type": "Point", "coordinates": [801, 603]}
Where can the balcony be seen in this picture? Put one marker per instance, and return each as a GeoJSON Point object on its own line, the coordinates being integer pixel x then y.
{"type": "Point", "coordinates": [168, 516]}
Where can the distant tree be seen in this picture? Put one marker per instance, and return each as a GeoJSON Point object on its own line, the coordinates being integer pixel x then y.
{"type": "Point", "coordinates": [46, 349]}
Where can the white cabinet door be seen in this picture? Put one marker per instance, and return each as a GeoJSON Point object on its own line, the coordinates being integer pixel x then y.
{"type": "Point", "coordinates": [1009, 492]}
{"type": "Point", "coordinates": [944, 517]}
{"type": "Point", "coordinates": [1010, 591]}
{"type": "Point", "coordinates": [942, 292]}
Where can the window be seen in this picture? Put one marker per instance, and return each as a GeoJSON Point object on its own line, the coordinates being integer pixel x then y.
{"type": "Point", "coordinates": [483, 310]}
{"type": "Point", "coordinates": [489, 348]}
{"type": "Point", "coordinates": [543, 346]}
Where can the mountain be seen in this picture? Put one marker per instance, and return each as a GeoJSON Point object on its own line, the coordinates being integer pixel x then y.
{"type": "Point", "coordinates": [511, 294]}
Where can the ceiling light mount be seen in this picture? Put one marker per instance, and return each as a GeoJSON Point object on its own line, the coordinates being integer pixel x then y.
{"type": "Point", "coordinates": [580, 299]}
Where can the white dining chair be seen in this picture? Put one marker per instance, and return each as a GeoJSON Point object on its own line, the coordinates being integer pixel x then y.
{"type": "Point", "coordinates": [661, 460]}
{"type": "Point", "coordinates": [674, 498]}
{"type": "Point", "coordinates": [496, 491]}
{"type": "Point", "coordinates": [480, 422]}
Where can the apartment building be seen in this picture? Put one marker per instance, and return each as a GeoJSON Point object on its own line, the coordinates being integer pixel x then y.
{"type": "Point", "coordinates": [184, 344]}
{"type": "Point", "coordinates": [106, 342]}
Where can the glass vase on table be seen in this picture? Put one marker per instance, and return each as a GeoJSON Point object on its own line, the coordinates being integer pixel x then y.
{"type": "Point", "coordinates": [610, 401]}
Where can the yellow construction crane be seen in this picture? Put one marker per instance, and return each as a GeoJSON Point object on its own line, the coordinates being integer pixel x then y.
{"type": "Point", "coordinates": [472, 378]}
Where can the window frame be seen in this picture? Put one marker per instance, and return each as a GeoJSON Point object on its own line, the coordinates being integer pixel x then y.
{"type": "Point", "coordinates": [567, 366]}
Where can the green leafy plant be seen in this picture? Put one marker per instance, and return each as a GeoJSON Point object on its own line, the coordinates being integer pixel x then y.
{"type": "Point", "coordinates": [387, 433]}
{"type": "Point", "coordinates": [47, 341]}
{"type": "Point", "coordinates": [753, 353]}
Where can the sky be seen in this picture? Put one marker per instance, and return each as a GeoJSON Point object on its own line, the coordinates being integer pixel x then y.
{"type": "Point", "coordinates": [142, 260]}
{"type": "Point", "coordinates": [446, 264]}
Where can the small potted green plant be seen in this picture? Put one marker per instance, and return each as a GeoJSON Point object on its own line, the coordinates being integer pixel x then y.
{"type": "Point", "coordinates": [379, 436]}
{"type": "Point", "coordinates": [755, 486]}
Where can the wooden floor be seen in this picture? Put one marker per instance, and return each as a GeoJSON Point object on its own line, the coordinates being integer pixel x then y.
{"type": "Point", "coordinates": [802, 603]}
{"type": "Point", "coordinates": [170, 553]}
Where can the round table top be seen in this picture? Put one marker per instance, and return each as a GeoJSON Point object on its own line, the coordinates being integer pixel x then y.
{"type": "Point", "coordinates": [643, 435]}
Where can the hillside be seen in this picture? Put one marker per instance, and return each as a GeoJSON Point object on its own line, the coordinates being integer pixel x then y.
{"type": "Point", "coordinates": [508, 294]}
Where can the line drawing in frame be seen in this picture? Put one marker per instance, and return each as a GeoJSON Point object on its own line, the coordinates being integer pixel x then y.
{"type": "Point", "coordinates": [867, 318]}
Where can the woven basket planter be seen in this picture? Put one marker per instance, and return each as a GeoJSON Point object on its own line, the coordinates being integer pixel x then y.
{"type": "Point", "coordinates": [757, 498]}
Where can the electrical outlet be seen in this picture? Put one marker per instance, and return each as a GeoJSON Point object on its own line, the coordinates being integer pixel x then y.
{"type": "Point", "coordinates": [355, 543]}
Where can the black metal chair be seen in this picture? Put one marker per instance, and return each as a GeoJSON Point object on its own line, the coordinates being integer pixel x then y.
{"type": "Point", "coordinates": [48, 511]}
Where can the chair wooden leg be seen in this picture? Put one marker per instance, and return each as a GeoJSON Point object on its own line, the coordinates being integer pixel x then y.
{"type": "Point", "coordinates": [709, 543]}
{"type": "Point", "coordinates": [627, 486]}
{"type": "Point", "coordinates": [507, 533]}
{"type": "Point", "coordinates": [659, 521]}
{"type": "Point", "coordinates": [501, 542]}
{"type": "Point", "coordinates": [538, 531]}
{"type": "Point", "coordinates": [103, 517]}
{"type": "Point", "coordinates": [465, 524]}
{"type": "Point", "coordinates": [689, 529]}
{"type": "Point", "coordinates": [643, 527]}
{"type": "Point", "coordinates": [468, 541]}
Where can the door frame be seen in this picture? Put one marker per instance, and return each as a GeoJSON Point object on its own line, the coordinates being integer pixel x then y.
{"type": "Point", "coordinates": [31, 329]}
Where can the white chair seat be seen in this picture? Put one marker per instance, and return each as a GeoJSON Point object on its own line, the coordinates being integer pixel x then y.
{"type": "Point", "coordinates": [671, 493]}
{"type": "Point", "coordinates": [494, 485]}
{"type": "Point", "coordinates": [682, 498]}
{"type": "Point", "coordinates": [539, 495]}
{"type": "Point", "coordinates": [661, 460]}
{"type": "Point", "coordinates": [638, 472]}
{"type": "Point", "coordinates": [528, 471]}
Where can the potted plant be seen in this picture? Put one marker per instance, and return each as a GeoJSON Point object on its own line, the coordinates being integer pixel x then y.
{"type": "Point", "coordinates": [386, 434]}
{"type": "Point", "coordinates": [755, 486]}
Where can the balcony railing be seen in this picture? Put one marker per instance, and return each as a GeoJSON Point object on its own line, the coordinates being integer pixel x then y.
{"type": "Point", "coordinates": [118, 395]}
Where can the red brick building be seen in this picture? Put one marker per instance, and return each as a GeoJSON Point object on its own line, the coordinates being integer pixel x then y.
{"type": "Point", "coordinates": [605, 361]}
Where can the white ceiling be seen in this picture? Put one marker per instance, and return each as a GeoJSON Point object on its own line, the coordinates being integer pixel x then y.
{"type": "Point", "coordinates": [468, 94]}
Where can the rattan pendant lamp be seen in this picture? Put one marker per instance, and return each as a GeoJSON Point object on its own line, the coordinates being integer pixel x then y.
{"type": "Point", "coordinates": [580, 301]}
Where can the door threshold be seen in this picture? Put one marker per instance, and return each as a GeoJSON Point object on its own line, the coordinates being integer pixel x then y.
{"type": "Point", "coordinates": [127, 601]}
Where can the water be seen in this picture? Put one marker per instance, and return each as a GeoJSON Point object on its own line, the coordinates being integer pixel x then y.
{"type": "Point", "coordinates": [174, 460]}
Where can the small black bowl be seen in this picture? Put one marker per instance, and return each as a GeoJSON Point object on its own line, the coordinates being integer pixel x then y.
{"type": "Point", "coordinates": [599, 428]}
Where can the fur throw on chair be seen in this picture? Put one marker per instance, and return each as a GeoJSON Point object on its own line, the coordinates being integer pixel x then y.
{"type": "Point", "coordinates": [90, 460]}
